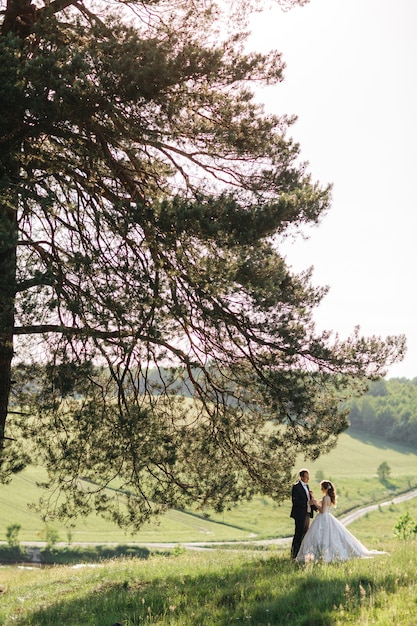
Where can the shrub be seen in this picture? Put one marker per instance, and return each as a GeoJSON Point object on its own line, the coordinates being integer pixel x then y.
{"type": "Point", "coordinates": [12, 535]}
{"type": "Point", "coordinates": [383, 471]}
{"type": "Point", "coordinates": [405, 527]}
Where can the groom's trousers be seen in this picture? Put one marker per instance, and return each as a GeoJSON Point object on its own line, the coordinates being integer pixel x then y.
{"type": "Point", "coordinates": [301, 527]}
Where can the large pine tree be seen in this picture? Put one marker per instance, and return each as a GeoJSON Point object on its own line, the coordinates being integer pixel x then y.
{"type": "Point", "coordinates": [160, 344]}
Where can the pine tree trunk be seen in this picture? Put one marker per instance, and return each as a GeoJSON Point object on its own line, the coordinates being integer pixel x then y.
{"type": "Point", "coordinates": [19, 18]}
{"type": "Point", "coordinates": [8, 239]}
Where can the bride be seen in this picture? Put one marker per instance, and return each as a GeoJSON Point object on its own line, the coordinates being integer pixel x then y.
{"type": "Point", "coordinates": [327, 539]}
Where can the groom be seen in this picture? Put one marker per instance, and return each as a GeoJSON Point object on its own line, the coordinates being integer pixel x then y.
{"type": "Point", "coordinates": [302, 510]}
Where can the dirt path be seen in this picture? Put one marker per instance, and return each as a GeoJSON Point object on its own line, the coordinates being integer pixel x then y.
{"type": "Point", "coordinates": [352, 517]}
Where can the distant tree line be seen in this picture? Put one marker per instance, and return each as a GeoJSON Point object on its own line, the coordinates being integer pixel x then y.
{"type": "Point", "coordinates": [389, 410]}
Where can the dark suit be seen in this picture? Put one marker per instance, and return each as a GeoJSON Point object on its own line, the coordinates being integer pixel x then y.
{"type": "Point", "coordinates": [300, 515]}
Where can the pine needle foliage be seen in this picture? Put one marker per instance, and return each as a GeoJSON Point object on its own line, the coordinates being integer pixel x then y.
{"type": "Point", "coordinates": [163, 349]}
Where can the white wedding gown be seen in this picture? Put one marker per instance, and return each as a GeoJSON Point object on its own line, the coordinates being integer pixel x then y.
{"type": "Point", "coordinates": [328, 540]}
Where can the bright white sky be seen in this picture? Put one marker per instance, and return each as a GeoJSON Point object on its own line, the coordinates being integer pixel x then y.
{"type": "Point", "coordinates": [351, 79]}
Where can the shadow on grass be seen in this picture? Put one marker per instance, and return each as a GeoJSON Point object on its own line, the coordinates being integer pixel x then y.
{"type": "Point", "coordinates": [94, 554]}
{"type": "Point", "coordinates": [262, 593]}
{"type": "Point", "coordinates": [379, 442]}
{"type": "Point", "coordinates": [388, 484]}
{"type": "Point", "coordinates": [70, 555]}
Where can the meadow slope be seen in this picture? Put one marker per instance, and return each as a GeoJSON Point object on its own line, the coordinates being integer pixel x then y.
{"type": "Point", "coordinates": [352, 466]}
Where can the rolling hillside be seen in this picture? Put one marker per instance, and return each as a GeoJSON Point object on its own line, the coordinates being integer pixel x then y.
{"type": "Point", "coordinates": [352, 466]}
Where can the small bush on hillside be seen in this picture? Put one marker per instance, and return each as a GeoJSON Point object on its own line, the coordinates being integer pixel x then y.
{"type": "Point", "coordinates": [51, 536]}
{"type": "Point", "coordinates": [383, 471]}
{"type": "Point", "coordinates": [405, 527]}
{"type": "Point", "coordinates": [12, 535]}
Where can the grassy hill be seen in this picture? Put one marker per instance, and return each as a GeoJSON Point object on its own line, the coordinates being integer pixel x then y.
{"type": "Point", "coordinates": [352, 466]}
{"type": "Point", "coordinates": [216, 588]}
{"type": "Point", "coordinates": [222, 587]}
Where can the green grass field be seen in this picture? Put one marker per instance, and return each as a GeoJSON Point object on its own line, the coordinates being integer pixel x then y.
{"type": "Point", "coordinates": [352, 466]}
{"type": "Point", "coordinates": [221, 587]}
{"type": "Point", "coordinates": [216, 588]}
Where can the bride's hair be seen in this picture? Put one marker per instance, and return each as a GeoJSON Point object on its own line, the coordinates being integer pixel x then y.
{"type": "Point", "coordinates": [331, 491]}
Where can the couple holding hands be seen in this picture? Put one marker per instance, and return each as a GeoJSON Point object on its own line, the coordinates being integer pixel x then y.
{"type": "Point", "coordinates": [326, 539]}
